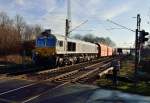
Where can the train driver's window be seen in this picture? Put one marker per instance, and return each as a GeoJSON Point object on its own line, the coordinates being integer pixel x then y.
{"type": "Point", "coordinates": [60, 43]}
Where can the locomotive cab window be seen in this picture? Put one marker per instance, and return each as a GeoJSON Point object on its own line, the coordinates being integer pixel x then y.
{"type": "Point", "coordinates": [60, 43]}
{"type": "Point", "coordinates": [71, 46]}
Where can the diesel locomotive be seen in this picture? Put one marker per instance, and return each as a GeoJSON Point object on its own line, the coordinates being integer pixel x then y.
{"type": "Point", "coordinates": [55, 50]}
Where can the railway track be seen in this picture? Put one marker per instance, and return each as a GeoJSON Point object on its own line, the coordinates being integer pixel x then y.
{"type": "Point", "coordinates": [83, 74]}
{"type": "Point", "coordinates": [43, 69]}
{"type": "Point", "coordinates": [33, 91]}
{"type": "Point", "coordinates": [45, 74]}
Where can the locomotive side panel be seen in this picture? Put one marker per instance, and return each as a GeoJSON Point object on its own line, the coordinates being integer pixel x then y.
{"type": "Point", "coordinates": [86, 48]}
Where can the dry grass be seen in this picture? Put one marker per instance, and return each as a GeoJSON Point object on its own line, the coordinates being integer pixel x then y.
{"type": "Point", "coordinates": [14, 59]}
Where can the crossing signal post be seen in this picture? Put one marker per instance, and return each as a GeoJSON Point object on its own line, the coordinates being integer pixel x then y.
{"type": "Point", "coordinates": [137, 47]}
{"type": "Point", "coordinates": [140, 39]}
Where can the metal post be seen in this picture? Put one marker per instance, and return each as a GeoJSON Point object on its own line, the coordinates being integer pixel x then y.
{"type": "Point", "coordinates": [66, 34]}
{"type": "Point", "coordinates": [68, 21]}
{"type": "Point", "coordinates": [137, 47]}
{"type": "Point", "coordinates": [24, 55]}
{"type": "Point", "coordinates": [136, 56]}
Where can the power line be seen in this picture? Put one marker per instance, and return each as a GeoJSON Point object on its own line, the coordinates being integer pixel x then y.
{"type": "Point", "coordinates": [78, 26]}
{"type": "Point", "coordinates": [120, 25]}
{"type": "Point", "coordinates": [113, 28]}
{"type": "Point", "coordinates": [85, 30]}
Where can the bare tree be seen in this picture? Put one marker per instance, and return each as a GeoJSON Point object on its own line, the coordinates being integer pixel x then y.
{"type": "Point", "coordinates": [20, 25]}
{"type": "Point", "coordinates": [32, 31]}
{"type": "Point", "coordinates": [91, 38]}
{"type": "Point", "coordinates": [77, 36]}
{"type": "Point", "coordinates": [8, 34]}
{"type": "Point", "coordinates": [37, 30]}
{"type": "Point", "coordinates": [28, 33]}
{"type": "Point", "coordinates": [4, 20]}
{"type": "Point", "coordinates": [4, 29]}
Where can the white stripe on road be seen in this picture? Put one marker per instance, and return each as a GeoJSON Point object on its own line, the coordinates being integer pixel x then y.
{"type": "Point", "coordinates": [17, 89]}
{"type": "Point", "coordinates": [37, 96]}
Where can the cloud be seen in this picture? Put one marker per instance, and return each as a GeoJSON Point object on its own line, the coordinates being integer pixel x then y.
{"type": "Point", "coordinates": [86, 8]}
{"type": "Point", "coordinates": [55, 17]}
{"type": "Point", "coordinates": [19, 2]}
{"type": "Point", "coordinates": [56, 23]}
{"type": "Point", "coordinates": [53, 22]}
{"type": "Point", "coordinates": [49, 5]}
{"type": "Point", "coordinates": [115, 11]}
{"type": "Point", "coordinates": [52, 13]}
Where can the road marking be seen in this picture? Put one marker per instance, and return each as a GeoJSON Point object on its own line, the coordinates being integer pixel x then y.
{"type": "Point", "coordinates": [17, 89]}
{"type": "Point", "coordinates": [37, 96]}
{"type": "Point", "coordinates": [5, 100]}
{"type": "Point", "coordinates": [31, 84]}
{"type": "Point", "coordinates": [2, 65]}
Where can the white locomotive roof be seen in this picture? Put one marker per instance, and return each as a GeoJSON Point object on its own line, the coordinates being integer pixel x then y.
{"type": "Point", "coordinates": [62, 37]}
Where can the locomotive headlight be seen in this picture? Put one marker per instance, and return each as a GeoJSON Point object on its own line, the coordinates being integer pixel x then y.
{"type": "Point", "coordinates": [36, 53]}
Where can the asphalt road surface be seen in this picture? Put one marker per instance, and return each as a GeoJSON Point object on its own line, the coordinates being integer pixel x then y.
{"type": "Point", "coordinates": [22, 91]}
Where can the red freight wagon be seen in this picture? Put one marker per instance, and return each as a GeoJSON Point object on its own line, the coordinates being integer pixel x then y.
{"type": "Point", "coordinates": [109, 51]}
{"type": "Point", "coordinates": [102, 50]}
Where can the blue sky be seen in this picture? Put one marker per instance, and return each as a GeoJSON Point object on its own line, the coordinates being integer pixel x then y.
{"type": "Point", "coordinates": [52, 14]}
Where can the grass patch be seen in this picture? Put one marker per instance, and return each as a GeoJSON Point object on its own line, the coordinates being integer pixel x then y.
{"type": "Point", "coordinates": [127, 70]}
{"type": "Point", "coordinates": [141, 88]}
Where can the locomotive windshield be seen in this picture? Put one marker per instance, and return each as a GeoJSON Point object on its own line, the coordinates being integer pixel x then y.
{"type": "Point", "coordinates": [40, 42]}
{"type": "Point", "coordinates": [50, 42]}
{"type": "Point", "coordinates": [46, 42]}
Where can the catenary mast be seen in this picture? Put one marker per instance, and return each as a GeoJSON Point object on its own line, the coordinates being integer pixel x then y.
{"type": "Point", "coordinates": [68, 22]}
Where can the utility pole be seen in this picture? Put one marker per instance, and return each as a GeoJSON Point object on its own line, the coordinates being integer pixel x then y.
{"type": "Point", "coordinates": [68, 21]}
{"type": "Point", "coordinates": [137, 48]}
